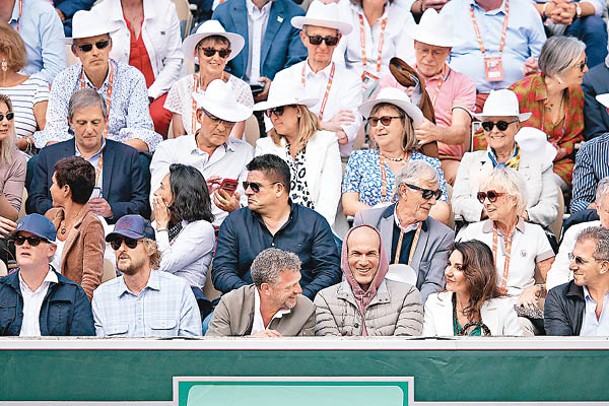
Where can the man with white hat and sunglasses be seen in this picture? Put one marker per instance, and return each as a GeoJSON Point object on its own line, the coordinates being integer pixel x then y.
{"type": "Point", "coordinates": [122, 86]}
{"type": "Point", "coordinates": [453, 94]}
{"type": "Point", "coordinates": [220, 158]}
{"type": "Point", "coordinates": [338, 90]}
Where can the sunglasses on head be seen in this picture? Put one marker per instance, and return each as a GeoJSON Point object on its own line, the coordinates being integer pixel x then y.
{"type": "Point", "coordinates": [426, 193]}
{"type": "Point", "coordinates": [209, 52]}
{"type": "Point", "coordinates": [501, 125]}
{"type": "Point", "coordinates": [129, 242]}
{"type": "Point", "coordinates": [278, 111]}
{"type": "Point", "coordinates": [89, 47]}
{"type": "Point", "coordinates": [385, 120]}
{"type": "Point", "coordinates": [491, 195]}
{"type": "Point", "coordinates": [33, 241]}
{"type": "Point", "coordinates": [255, 186]}
{"type": "Point", "coordinates": [9, 116]}
{"type": "Point", "coordinates": [318, 39]}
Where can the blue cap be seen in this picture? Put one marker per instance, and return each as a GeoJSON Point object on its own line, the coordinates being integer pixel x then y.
{"type": "Point", "coordinates": [38, 225]}
{"type": "Point", "coordinates": [132, 226]}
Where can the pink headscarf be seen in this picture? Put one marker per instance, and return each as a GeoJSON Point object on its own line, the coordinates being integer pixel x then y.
{"type": "Point", "coordinates": [364, 297]}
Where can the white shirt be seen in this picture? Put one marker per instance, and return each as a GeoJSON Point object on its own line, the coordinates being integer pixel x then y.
{"type": "Point", "coordinates": [56, 262]}
{"type": "Point", "coordinates": [32, 302]}
{"type": "Point", "coordinates": [591, 326]}
{"type": "Point", "coordinates": [345, 93]}
{"type": "Point", "coordinates": [257, 22]}
{"type": "Point", "coordinates": [258, 324]}
{"type": "Point", "coordinates": [227, 161]}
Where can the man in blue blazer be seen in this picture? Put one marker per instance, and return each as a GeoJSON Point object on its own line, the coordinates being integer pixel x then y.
{"type": "Point", "coordinates": [596, 119]}
{"type": "Point", "coordinates": [281, 46]}
{"type": "Point", "coordinates": [122, 184]}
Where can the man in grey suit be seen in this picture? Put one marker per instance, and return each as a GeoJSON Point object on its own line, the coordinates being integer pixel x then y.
{"type": "Point", "coordinates": [409, 235]}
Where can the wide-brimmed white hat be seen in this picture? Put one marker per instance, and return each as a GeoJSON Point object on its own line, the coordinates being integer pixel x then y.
{"type": "Point", "coordinates": [502, 103]}
{"type": "Point", "coordinates": [219, 100]}
{"type": "Point", "coordinates": [435, 29]}
{"type": "Point", "coordinates": [534, 143]}
{"type": "Point", "coordinates": [86, 24]}
{"type": "Point", "coordinates": [603, 99]}
{"type": "Point", "coordinates": [284, 94]}
{"type": "Point", "coordinates": [323, 15]}
{"type": "Point", "coordinates": [398, 98]}
{"type": "Point", "coordinates": [207, 29]}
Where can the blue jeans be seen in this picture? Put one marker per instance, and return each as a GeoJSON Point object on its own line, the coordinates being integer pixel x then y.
{"type": "Point", "coordinates": [592, 31]}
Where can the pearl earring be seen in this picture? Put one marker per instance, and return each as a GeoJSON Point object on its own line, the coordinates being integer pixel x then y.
{"type": "Point", "coordinates": [4, 65]}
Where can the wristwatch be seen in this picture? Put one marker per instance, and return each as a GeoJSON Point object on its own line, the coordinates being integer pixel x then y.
{"type": "Point", "coordinates": [578, 11]}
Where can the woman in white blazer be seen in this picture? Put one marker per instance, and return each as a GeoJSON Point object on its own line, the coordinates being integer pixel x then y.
{"type": "Point", "coordinates": [312, 155]}
{"type": "Point", "coordinates": [472, 304]}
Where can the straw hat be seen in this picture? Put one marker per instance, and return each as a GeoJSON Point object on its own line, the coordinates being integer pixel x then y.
{"type": "Point", "coordinates": [219, 100]}
{"type": "Point", "coordinates": [502, 103]}
{"type": "Point", "coordinates": [534, 142]}
{"type": "Point", "coordinates": [435, 29]}
{"type": "Point", "coordinates": [208, 29]}
{"type": "Point", "coordinates": [322, 15]}
{"type": "Point", "coordinates": [87, 24]}
{"type": "Point", "coordinates": [398, 98]}
{"type": "Point", "coordinates": [284, 95]}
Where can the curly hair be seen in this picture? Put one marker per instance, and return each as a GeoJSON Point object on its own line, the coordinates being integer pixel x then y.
{"type": "Point", "coordinates": [270, 263]}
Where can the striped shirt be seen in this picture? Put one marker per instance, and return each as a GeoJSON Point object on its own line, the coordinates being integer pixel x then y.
{"type": "Point", "coordinates": [24, 96]}
{"type": "Point", "coordinates": [590, 167]}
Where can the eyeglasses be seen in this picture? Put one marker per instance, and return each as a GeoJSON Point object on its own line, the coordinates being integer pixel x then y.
{"type": "Point", "coordinates": [501, 125]}
{"type": "Point", "coordinates": [426, 193]}
{"type": "Point", "coordinates": [582, 65]}
{"type": "Point", "coordinates": [318, 39]}
{"type": "Point", "coordinates": [129, 242]}
{"type": "Point", "coordinates": [491, 195]}
{"type": "Point", "coordinates": [255, 186]}
{"type": "Point", "coordinates": [217, 120]}
{"type": "Point", "coordinates": [9, 116]}
{"type": "Point", "coordinates": [385, 120]}
{"type": "Point", "coordinates": [209, 52]}
{"type": "Point", "coordinates": [278, 111]}
{"type": "Point", "coordinates": [89, 47]}
{"type": "Point", "coordinates": [33, 241]}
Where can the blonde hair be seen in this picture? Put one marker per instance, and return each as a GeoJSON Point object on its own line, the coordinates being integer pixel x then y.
{"type": "Point", "coordinates": [308, 125]}
{"type": "Point", "coordinates": [12, 47]}
{"type": "Point", "coordinates": [409, 141]}
{"type": "Point", "coordinates": [7, 147]}
{"type": "Point", "coordinates": [153, 251]}
{"type": "Point", "coordinates": [510, 181]}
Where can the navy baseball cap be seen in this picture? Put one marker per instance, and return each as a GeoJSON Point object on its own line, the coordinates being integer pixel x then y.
{"type": "Point", "coordinates": [38, 225]}
{"type": "Point", "coordinates": [132, 226]}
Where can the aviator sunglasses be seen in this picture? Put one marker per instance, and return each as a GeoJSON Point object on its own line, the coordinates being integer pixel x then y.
{"type": "Point", "coordinates": [89, 47]}
{"type": "Point", "coordinates": [209, 52]}
{"type": "Point", "coordinates": [318, 39]}
{"type": "Point", "coordinates": [129, 242]}
{"type": "Point", "coordinates": [426, 193]}
{"type": "Point", "coordinates": [9, 116]}
{"type": "Point", "coordinates": [255, 186]}
{"type": "Point", "coordinates": [501, 125]}
{"type": "Point", "coordinates": [33, 241]}
{"type": "Point", "coordinates": [491, 195]}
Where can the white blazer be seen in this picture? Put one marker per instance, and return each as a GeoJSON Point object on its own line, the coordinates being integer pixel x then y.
{"type": "Point", "coordinates": [498, 315]}
{"type": "Point", "coordinates": [324, 169]}
{"type": "Point", "coordinates": [162, 37]}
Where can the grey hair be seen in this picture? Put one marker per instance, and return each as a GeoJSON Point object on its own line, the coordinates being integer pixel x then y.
{"type": "Point", "coordinates": [511, 182]}
{"type": "Point", "coordinates": [560, 53]}
{"type": "Point", "coordinates": [602, 190]}
{"type": "Point", "coordinates": [270, 263]}
{"type": "Point", "coordinates": [600, 236]}
{"type": "Point", "coordinates": [416, 172]}
{"type": "Point", "coordinates": [84, 99]}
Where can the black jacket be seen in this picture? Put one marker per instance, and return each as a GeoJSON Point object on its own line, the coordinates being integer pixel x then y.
{"type": "Point", "coordinates": [564, 310]}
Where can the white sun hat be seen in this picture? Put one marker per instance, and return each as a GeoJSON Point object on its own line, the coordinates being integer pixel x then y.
{"type": "Point", "coordinates": [603, 99]}
{"type": "Point", "coordinates": [398, 98]}
{"type": "Point", "coordinates": [87, 24]}
{"type": "Point", "coordinates": [208, 29]}
{"type": "Point", "coordinates": [502, 103]}
{"type": "Point", "coordinates": [435, 29]}
{"type": "Point", "coordinates": [322, 15]}
{"type": "Point", "coordinates": [283, 94]}
{"type": "Point", "coordinates": [534, 143]}
{"type": "Point", "coordinates": [219, 100]}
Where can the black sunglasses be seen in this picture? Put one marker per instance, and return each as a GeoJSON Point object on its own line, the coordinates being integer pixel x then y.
{"type": "Point", "coordinates": [217, 120]}
{"type": "Point", "coordinates": [9, 116]}
{"type": "Point", "coordinates": [89, 47]}
{"type": "Point", "coordinates": [255, 186]}
{"type": "Point", "coordinates": [209, 52]}
{"type": "Point", "coordinates": [318, 39]}
{"type": "Point", "coordinates": [491, 195]}
{"type": "Point", "coordinates": [129, 242]}
{"type": "Point", "coordinates": [385, 120]}
{"type": "Point", "coordinates": [426, 193]}
{"type": "Point", "coordinates": [278, 111]}
{"type": "Point", "coordinates": [33, 241]}
{"type": "Point", "coordinates": [501, 125]}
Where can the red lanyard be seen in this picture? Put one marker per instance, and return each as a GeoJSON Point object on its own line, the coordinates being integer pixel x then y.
{"type": "Point", "coordinates": [362, 35]}
{"type": "Point", "coordinates": [413, 246]}
{"type": "Point", "coordinates": [328, 86]}
{"type": "Point", "coordinates": [507, 252]}
{"type": "Point", "coordinates": [194, 104]}
{"type": "Point", "coordinates": [108, 94]}
{"type": "Point", "coordinates": [98, 170]}
{"type": "Point", "coordinates": [19, 18]}
{"type": "Point", "coordinates": [443, 76]}
{"type": "Point", "coordinates": [384, 174]}
{"type": "Point", "coordinates": [503, 31]}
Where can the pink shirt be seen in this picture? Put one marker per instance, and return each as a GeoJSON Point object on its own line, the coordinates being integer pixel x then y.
{"type": "Point", "coordinates": [457, 90]}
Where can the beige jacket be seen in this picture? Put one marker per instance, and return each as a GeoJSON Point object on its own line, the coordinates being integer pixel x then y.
{"type": "Point", "coordinates": [396, 310]}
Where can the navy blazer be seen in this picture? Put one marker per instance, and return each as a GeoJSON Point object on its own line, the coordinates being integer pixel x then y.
{"type": "Point", "coordinates": [126, 186]}
{"type": "Point", "coordinates": [281, 46]}
{"type": "Point", "coordinates": [596, 119]}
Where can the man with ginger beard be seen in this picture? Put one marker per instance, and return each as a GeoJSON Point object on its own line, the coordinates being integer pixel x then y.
{"type": "Point", "coordinates": [143, 302]}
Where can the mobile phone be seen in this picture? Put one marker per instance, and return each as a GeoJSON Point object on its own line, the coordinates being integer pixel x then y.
{"type": "Point", "coordinates": [257, 88]}
{"type": "Point", "coordinates": [229, 185]}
